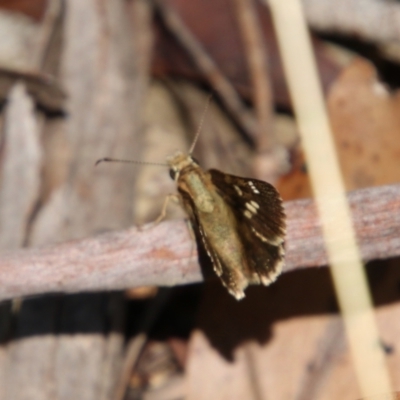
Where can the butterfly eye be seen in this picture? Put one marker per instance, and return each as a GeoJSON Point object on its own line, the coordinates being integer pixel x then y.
{"type": "Point", "coordinates": [172, 174]}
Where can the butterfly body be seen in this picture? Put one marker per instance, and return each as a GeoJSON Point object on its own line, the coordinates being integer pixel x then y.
{"type": "Point", "coordinates": [229, 213]}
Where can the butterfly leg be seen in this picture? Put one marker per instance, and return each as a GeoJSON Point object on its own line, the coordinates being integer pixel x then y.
{"type": "Point", "coordinates": [190, 230]}
{"type": "Point", "coordinates": [163, 213]}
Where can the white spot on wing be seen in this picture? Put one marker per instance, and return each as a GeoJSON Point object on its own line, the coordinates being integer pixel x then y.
{"type": "Point", "coordinates": [236, 283]}
{"type": "Point", "coordinates": [275, 241]}
{"type": "Point", "coordinates": [247, 214]}
{"type": "Point", "coordinates": [217, 266]}
{"type": "Point", "coordinates": [237, 188]}
{"type": "Point", "coordinates": [267, 280]}
{"type": "Point", "coordinates": [237, 294]}
{"type": "Point", "coordinates": [251, 207]}
{"type": "Point", "coordinates": [254, 204]}
{"type": "Point", "coordinates": [253, 188]}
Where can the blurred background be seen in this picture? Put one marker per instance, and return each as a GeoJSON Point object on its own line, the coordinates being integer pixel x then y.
{"type": "Point", "coordinates": [82, 80]}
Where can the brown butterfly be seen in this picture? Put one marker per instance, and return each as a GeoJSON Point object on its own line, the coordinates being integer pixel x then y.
{"type": "Point", "coordinates": [241, 221]}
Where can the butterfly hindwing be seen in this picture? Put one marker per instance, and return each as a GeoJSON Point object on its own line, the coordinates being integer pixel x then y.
{"type": "Point", "coordinates": [234, 280]}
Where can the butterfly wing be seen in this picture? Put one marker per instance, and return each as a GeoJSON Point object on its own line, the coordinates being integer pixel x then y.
{"type": "Point", "coordinates": [260, 220]}
{"type": "Point", "coordinates": [234, 280]}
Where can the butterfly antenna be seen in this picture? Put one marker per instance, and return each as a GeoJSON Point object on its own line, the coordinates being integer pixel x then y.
{"type": "Point", "coordinates": [129, 162]}
{"type": "Point", "coordinates": [201, 124]}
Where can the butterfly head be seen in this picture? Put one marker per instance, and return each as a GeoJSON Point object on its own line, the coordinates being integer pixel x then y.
{"type": "Point", "coordinates": [179, 162]}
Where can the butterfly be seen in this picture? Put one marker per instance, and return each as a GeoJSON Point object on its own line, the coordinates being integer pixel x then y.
{"type": "Point", "coordinates": [241, 222]}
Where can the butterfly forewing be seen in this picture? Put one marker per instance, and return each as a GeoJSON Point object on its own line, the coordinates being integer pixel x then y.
{"type": "Point", "coordinates": [260, 222]}
{"type": "Point", "coordinates": [253, 200]}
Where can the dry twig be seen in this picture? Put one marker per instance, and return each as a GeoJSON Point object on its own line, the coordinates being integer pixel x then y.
{"type": "Point", "coordinates": [371, 20]}
{"type": "Point", "coordinates": [208, 67]}
{"type": "Point", "coordinates": [257, 61]}
{"type": "Point", "coordinates": [164, 255]}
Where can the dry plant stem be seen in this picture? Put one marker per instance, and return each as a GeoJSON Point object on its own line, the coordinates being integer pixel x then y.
{"type": "Point", "coordinates": [207, 66]}
{"type": "Point", "coordinates": [53, 13]}
{"type": "Point", "coordinates": [163, 255]}
{"type": "Point", "coordinates": [386, 396]}
{"type": "Point", "coordinates": [22, 163]}
{"type": "Point", "coordinates": [136, 344]}
{"type": "Point", "coordinates": [343, 253]}
{"type": "Point", "coordinates": [257, 61]}
{"type": "Point", "coordinates": [133, 352]}
{"type": "Point", "coordinates": [105, 90]}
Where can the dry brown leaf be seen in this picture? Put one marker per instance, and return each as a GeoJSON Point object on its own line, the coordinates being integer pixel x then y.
{"type": "Point", "coordinates": [365, 119]}
{"type": "Point", "coordinates": [295, 184]}
{"type": "Point", "coordinates": [34, 9]}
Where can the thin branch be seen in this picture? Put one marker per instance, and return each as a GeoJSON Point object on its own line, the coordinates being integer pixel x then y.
{"type": "Point", "coordinates": [164, 255]}
{"type": "Point", "coordinates": [257, 61]}
{"type": "Point", "coordinates": [136, 344]}
{"type": "Point", "coordinates": [272, 159]}
{"type": "Point", "coordinates": [21, 167]}
{"type": "Point", "coordinates": [208, 67]}
{"type": "Point", "coordinates": [371, 20]}
{"type": "Point", "coordinates": [48, 25]}
{"type": "Point", "coordinates": [45, 89]}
